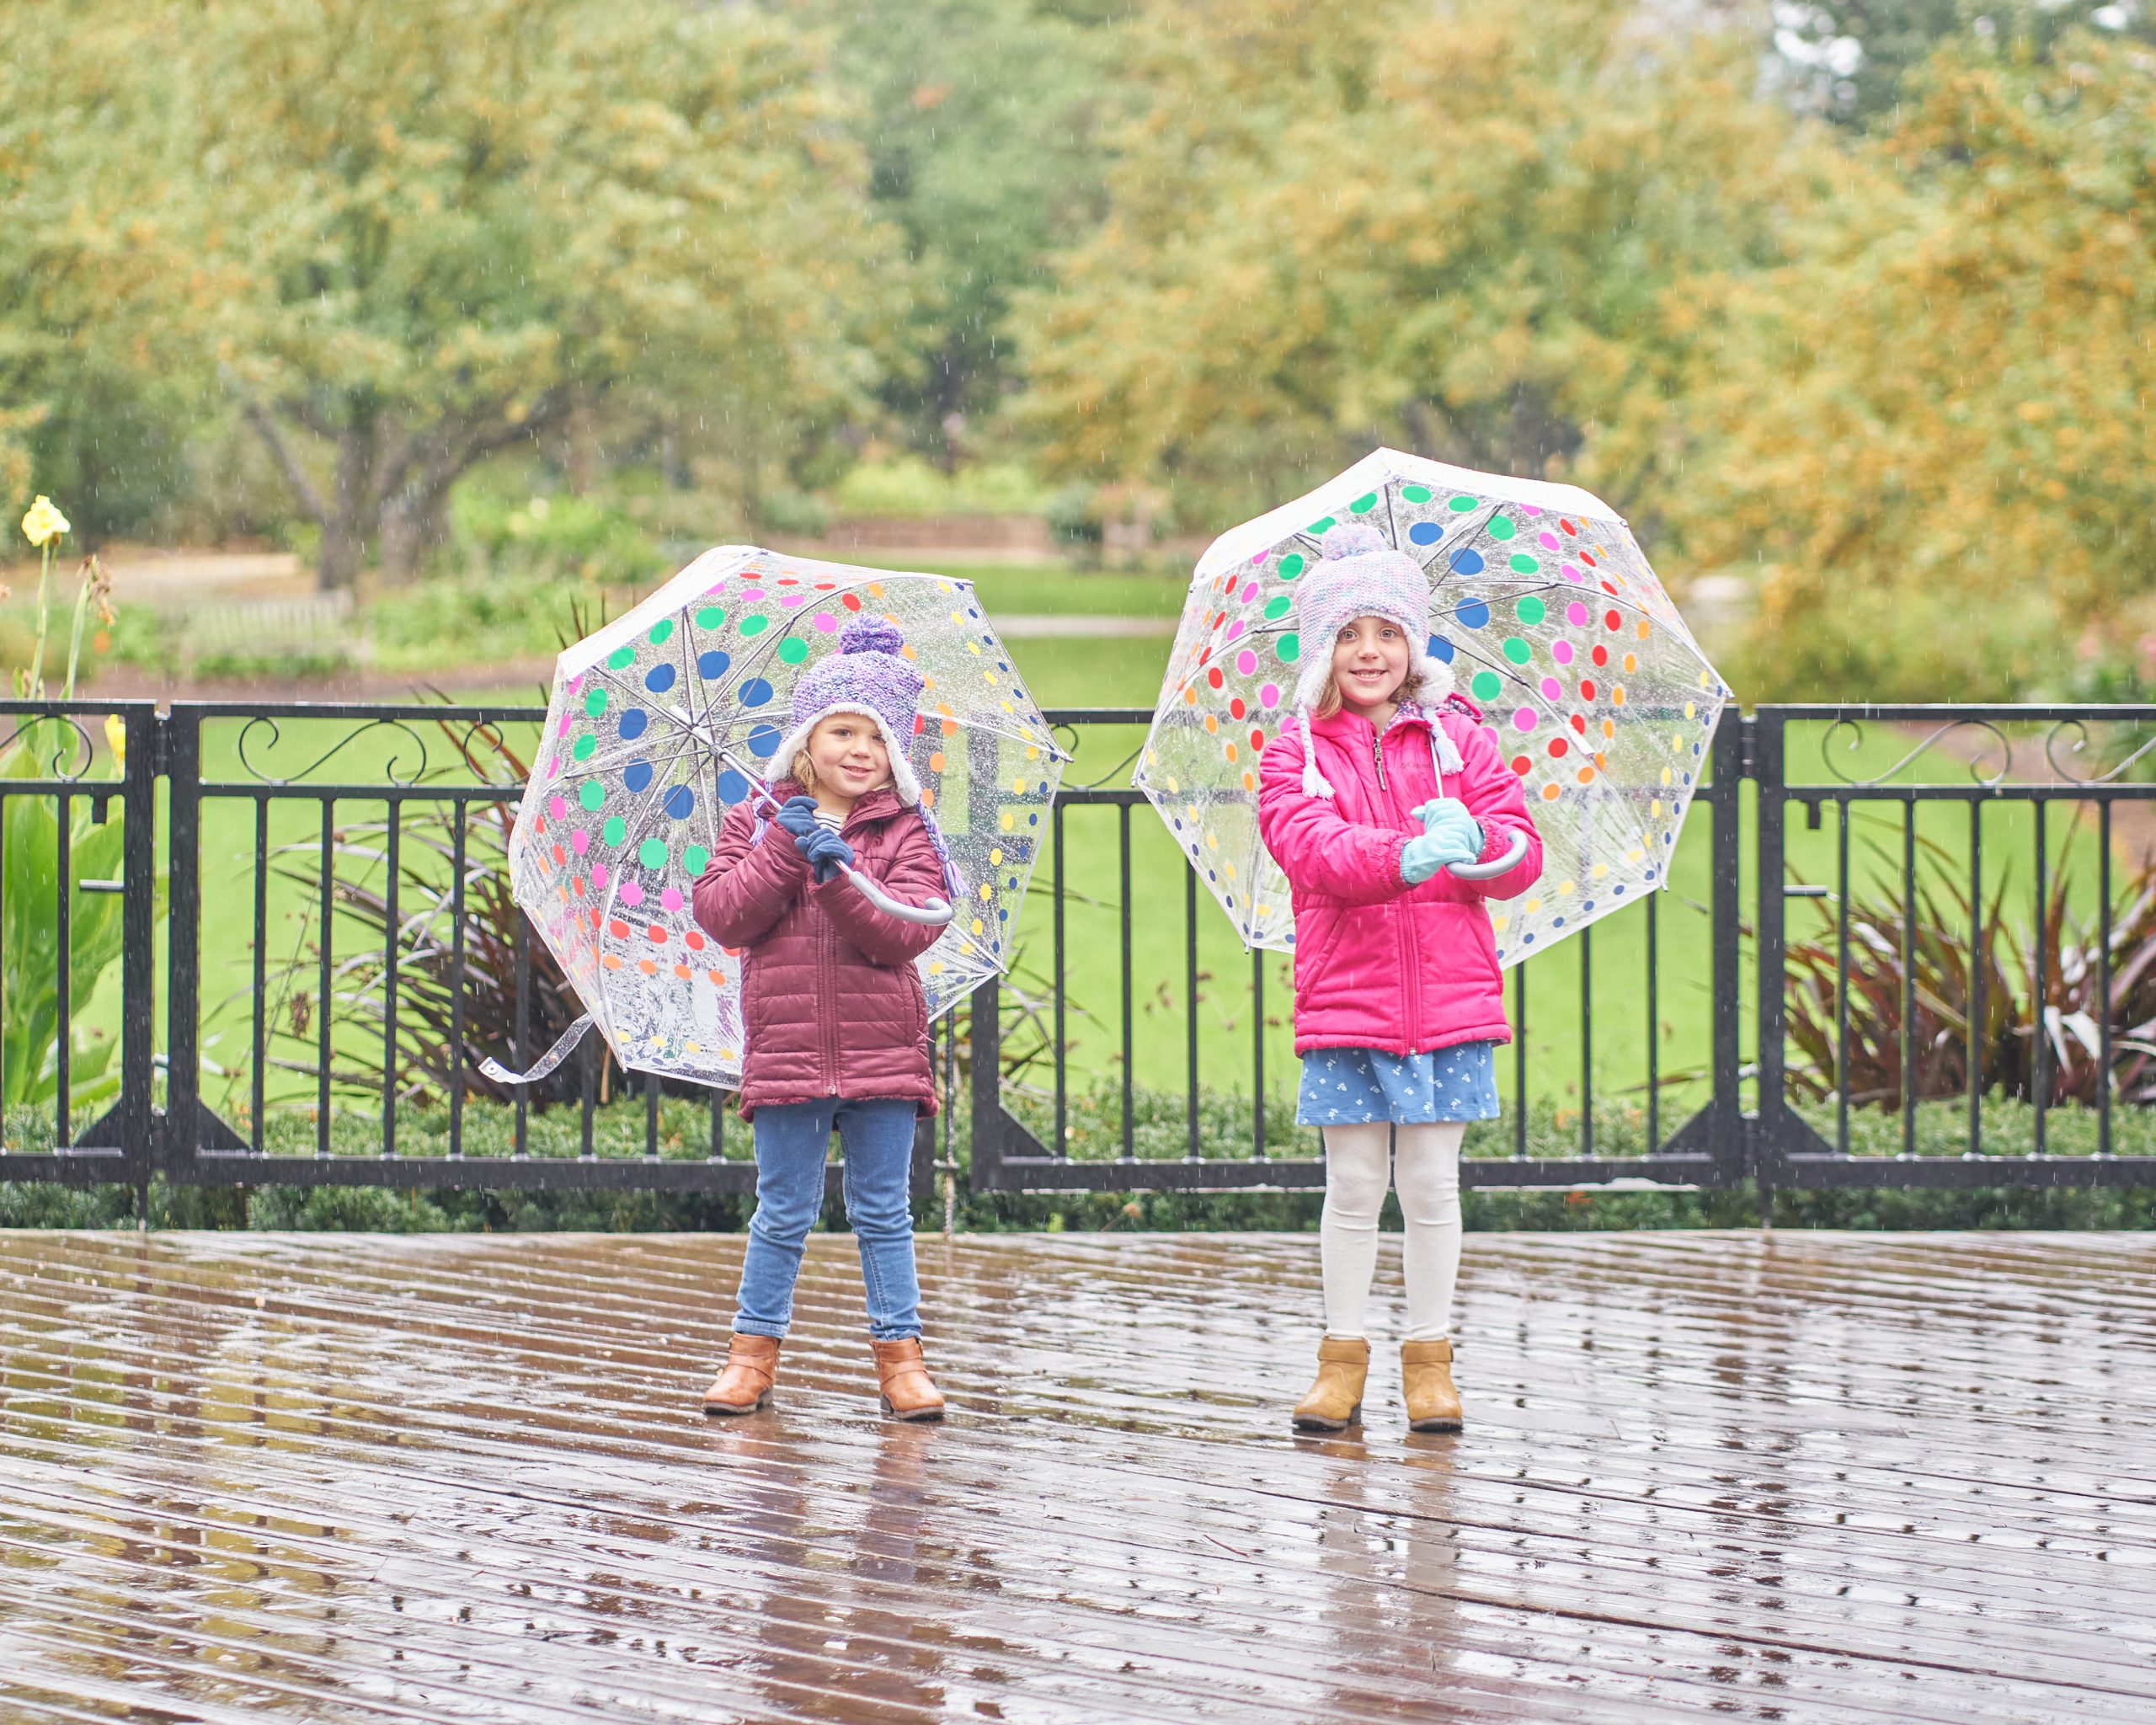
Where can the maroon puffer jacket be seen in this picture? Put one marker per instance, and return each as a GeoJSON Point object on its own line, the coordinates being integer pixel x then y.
{"type": "Point", "coordinates": [830, 1002]}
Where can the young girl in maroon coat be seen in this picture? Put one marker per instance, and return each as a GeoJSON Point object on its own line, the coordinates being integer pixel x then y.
{"type": "Point", "coordinates": [835, 1021]}
{"type": "Point", "coordinates": [1387, 780]}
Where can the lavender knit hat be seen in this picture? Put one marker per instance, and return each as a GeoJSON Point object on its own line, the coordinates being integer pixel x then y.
{"type": "Point", "coordinates": [1362, 576]}
{"type": "Point", "coordinates": [867, 677]}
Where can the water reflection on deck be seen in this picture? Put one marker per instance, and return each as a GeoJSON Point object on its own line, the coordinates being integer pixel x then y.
{"type": "Point", "coordinates": [1791, 1477]}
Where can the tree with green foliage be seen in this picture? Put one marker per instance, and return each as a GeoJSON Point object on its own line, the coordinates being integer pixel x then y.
{"type": "Point", "coordinates": [92, 398]}
{"type": "Point", "coordinates": [981, 121]}
{"type": "Point", "coordinates": [432, 233]}
{"type": "Point", "coordinates": [1483, 232]}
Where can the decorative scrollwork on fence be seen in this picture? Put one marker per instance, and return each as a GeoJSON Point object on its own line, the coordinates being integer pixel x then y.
{"type": "Point", "coordinates": [396, 771]}
{"type": "Point", "coordinates": [1982, 770]}
{"type": "Point", "coordinates": [72, 748]}
{"type": "Point", "coordinates": [2077, 728]}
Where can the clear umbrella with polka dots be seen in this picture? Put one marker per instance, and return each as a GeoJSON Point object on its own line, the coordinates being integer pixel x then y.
{"type": "Point", "coordinates": [1556, 631]}
{"type": "Point", "coordinates": [665, 718]}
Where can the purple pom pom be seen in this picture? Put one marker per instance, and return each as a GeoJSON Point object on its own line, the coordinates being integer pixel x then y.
{"type": "Point", "coordinates": [871, 634]}
{"type": "Point", "coordinates": [1352, 539]}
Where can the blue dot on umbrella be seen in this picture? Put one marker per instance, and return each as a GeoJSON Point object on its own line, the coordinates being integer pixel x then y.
{"type": "Point", "coordinates": [763, 741]}
{"type": "Point", "coordinates": [1440, 650]}
{"type": "Point", "coordinates": [712, 664]}
{"type": "Point", "coordinates": [756, 692]}
{"type": "Point", "coordinates": [659, 679]}
{"type": "Point", "coordinates": [630, 726]}
{"type": "Point", "coordinates": [1426, 533]}
{"type": "Point", "coordinates": [732, 787]}
{"type": "Point", "coordinates": [1473, 614]}
{"type": "Point", "coordinates": [680, 801]}
{"type": "Point", "coordinates": [636, 775]}
{"type": "Point", "coordinates": [1467, 561]}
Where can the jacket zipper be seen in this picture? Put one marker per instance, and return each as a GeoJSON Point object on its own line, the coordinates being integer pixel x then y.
{"type": "Point", "coordinates": [1377, 753]}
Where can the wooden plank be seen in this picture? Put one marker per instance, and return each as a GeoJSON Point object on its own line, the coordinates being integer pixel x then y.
{"type": "Point", "coordinates": [1827, 1477]}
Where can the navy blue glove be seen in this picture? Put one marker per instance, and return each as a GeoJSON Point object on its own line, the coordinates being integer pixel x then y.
{"type": "Point", "coordinates": [798, 815]}
{"type": "Point", "coordinates": [825, 850]}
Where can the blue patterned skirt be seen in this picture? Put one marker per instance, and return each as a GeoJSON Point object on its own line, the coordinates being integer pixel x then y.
{"type": "Point", "coordinates": [1356, 1086]}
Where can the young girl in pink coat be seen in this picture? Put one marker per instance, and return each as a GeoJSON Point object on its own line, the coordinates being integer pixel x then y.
{"type": "Point", "coordinates": [1388, 777]}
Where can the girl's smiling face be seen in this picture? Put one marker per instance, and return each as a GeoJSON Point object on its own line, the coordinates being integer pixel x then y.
{"type": "Point", "coordinates": [1369, 663]}
{"type": "Point", "coordinates": [850, 759]}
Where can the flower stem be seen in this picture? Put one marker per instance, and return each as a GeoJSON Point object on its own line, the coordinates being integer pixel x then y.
{"type": "Point", "coordinates": [75, 639]}
{"type": "Point", "coordinates": [44, 615]}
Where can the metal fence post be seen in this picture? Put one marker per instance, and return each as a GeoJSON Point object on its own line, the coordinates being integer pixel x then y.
{"type": "Point", "coordinates": [138, 928]}
{"type": "Point", "coordinates": [1766, 1147]}
{"type": "Point", "coordinates": [183, 762]}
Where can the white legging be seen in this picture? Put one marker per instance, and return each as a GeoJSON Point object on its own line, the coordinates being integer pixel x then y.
{"type": "Point", "coordinates": [1427, 1171]}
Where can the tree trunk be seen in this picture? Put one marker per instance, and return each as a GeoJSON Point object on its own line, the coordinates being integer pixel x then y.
{"type": "Point", "coordinates": [414, 520]}
{"type": "Point", "coordinates": [343, 552]}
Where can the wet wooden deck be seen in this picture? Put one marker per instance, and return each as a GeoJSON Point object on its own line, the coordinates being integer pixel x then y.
{"type": "Point", "coordinates": [1793, 1477]}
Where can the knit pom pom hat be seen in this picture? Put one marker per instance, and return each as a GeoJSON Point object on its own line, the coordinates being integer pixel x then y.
{"type": "Point", "coordinates": [866, 677]}
{"type": "Point", "coordinates": [1361, 575]}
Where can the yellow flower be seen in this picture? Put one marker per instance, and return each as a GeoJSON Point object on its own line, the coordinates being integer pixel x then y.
{"type": "Point", "coordinates": [44, 523]}
{"type": "Point", "coordinates": [115, 737]}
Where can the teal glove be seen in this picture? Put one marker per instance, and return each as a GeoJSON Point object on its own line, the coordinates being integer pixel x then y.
{"type": "Point", "coordinates": [1449, 835]}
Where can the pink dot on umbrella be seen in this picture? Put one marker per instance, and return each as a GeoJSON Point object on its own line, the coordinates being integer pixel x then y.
{"type": "Point", "coordinates": [670, 899]}
{"type": "Point", "coordinates": [1523, 719]}
{"type": "Point", "coordinates": [1572, 572]}
{"type": "Point", "coordinates": [1261, 557]}
{"type": "Point", "coordinates": [1249, 592]}
{"type": "Point", "coordinates": [1269, 696]}
{"type": "Point", "coordinates": [579, 842]}
{"type": "Point", "coordinates": [562, 728]}
{"type": "Point", "coordinates": [598, 875]}
{"type": "Point", "coordinates": [556, 807]}
{"type": "Point", "coordinates": [825, 622]}
{"type": "Point", "coordinates": [1553, 689]}
{"type": "Point", "coordinates": [1528, 509]}
{"type": "Point", "coordinates": [1245, 661]}
{"type": "Point", "coordinates": [1576, 614]}
{"type": "Point", "coordinates": [1235, 629]}
{"type": "Point", "coordinates": [1546, 539]}
{"type": "Point", "coordinates": [795, 598]}
{"type": "Point", "coordinates": [1562, 651]}
{"type": "Point", "coordinates": [631, 893]}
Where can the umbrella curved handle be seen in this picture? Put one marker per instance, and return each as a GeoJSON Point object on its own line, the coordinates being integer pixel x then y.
{"type": "Point", "coordinates": [1491, 870]}
{"type": "Point", "coordinates": [935, 914]}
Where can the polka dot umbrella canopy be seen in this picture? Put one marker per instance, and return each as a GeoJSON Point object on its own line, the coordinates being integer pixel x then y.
{"type": "Point", "coordinates": [623, 811]}
{"type": "Point", "coordinates": [1554, 625]}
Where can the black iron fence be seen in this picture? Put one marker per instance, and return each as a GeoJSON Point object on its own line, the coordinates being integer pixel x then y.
{"type": "Point", "coordinates": [288, 943]}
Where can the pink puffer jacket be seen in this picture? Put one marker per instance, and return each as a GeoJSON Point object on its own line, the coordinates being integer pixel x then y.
{"type": "Point", "coordinates": [830, 1002]}
{"type": "Point", "coordinates": [1381, 964]}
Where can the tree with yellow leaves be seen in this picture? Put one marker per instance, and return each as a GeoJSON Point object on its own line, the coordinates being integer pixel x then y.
{"type": "Point", "coordinates": [1929, 435]}
{"type": "Point", "coordinates": [1482, 231]}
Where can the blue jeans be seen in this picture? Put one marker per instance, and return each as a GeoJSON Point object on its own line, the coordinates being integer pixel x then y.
{"type": "Point", "coordinates": [791, 1141]}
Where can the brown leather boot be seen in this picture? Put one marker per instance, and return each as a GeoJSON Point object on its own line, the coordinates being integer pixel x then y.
{"type": "Point", "coordinates": [908, 1391]}
{"type": "Point", "coordinates": [744, 1384]}
{"type": "Point", "coordinates": [1335, 1401]}
{"type": "Point", "coordinates": [1426, 1375]}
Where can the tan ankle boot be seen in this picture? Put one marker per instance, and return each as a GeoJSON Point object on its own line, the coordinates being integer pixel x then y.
{"type": "Point", "coordinates": [744, 1384]}
{"type": "Point", "coordinates": [1336, 1399]}
{"type": "Point", "coordinates": [902, 1377]}
{"type": "Point", "coordinates": [1426, 1375]}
